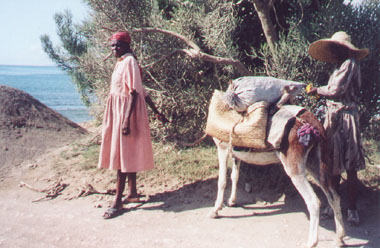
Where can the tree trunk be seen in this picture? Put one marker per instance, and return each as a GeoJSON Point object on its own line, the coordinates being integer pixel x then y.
{"type": "Point", "coordinates": [262, 8]}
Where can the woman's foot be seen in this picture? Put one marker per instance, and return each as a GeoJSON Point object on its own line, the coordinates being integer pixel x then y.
{"type": "Point", "coordinates": [114, 210]}
{"type": "Point", "coordinates": [112, 213]}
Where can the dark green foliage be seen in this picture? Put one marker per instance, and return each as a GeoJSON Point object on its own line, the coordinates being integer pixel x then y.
{"type": "Point", "coordinates": [181, 86]}
{"type": "Point", "coordinates": [367, 29]}
{"type": "Point", "coordinates": [293, 62]}
{"type": "Point", "coordinates": [362, 23]}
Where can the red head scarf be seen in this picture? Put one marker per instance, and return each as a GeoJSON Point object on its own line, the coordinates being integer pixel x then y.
{"type": "Point", "coordinates": [121, 36]}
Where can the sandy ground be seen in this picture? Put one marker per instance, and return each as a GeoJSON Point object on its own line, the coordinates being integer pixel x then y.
{"type": "Point", "coordinates": [175, 218]}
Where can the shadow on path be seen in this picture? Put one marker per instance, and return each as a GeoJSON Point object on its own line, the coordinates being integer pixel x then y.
{"type": "Point", "coordinates": [202, 194]}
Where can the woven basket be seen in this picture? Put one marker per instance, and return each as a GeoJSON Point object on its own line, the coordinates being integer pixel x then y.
{"type": "Point", "coordinates": [247, 131]}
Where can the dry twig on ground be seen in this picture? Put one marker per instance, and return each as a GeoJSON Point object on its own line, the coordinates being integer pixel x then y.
{"type": "Point", "coordinates": [90, 190]}
{"type": "Point", "coordinates": [50, 192]}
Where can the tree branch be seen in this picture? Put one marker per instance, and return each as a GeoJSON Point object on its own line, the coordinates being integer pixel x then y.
{"type": "Point", "coordinates": [226, 61]}
{"type": "Point", "coordinates": [195, 52]}
{"type": "Point", "coordinates": [168, 32]}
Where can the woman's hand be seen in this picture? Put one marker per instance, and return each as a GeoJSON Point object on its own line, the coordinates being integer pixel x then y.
{"type": "Point", "coordinates": [125, 127]}
{"type": "Point", "coordinates": [125, 130]}
{"type": "Point", "coordinates": [161, 118]}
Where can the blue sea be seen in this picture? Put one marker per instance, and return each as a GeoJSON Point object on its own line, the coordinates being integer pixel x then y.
{"type": "Point", "coordinates": [50, 86]}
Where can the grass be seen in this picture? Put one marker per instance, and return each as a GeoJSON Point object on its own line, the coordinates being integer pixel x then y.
{"type": "Point", "coordinates": [90, 156]}
{"type": "Point", "coordinates": [174, 167]}
{"type": "Point", "coordinates": [188, 165]}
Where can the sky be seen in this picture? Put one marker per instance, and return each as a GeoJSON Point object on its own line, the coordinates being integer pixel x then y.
{"type": "Point", "coordinates": [22, 22]}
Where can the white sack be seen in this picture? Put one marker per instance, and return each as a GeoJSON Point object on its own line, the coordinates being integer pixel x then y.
{"type": "Point", "coordinates": [245, 91]}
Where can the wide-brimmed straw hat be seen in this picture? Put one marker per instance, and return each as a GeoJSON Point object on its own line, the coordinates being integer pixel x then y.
{"type": "Point", "coordinates": [321, 49]}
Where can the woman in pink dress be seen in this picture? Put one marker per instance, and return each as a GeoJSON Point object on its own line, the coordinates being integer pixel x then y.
{"type": "Point", "coordinates": [126, 143]}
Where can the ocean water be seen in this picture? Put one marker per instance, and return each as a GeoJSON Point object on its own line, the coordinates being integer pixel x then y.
{"type": "Point", "coordinates": [50, 86]}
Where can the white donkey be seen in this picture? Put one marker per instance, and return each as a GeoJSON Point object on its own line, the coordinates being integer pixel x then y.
{"type": "Point", "coordinates": [297, 159]}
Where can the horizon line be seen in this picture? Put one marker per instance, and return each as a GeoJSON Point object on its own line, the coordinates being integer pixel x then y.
{"type": "Point", "coordinates": [51, 65]}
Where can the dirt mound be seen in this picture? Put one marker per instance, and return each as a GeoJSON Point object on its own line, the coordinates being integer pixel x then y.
{"type": "Point", "coordinates": [28, 127]}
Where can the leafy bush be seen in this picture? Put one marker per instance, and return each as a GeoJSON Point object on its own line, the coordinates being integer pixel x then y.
{"type": "Point", "coordinates": [292, 61]}
{"type": "Point", "coordinates": [180, 85]}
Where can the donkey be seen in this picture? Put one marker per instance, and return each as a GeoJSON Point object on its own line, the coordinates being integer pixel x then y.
{"type": "Point", "coordinates": [297, 159]}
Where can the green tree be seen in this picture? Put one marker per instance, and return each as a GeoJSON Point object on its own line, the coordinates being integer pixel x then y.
{"type": "Point", "coordinates": [189, 48]}
{"type": "Point", "coordinates": [183, 54]}
{"type": "Point", "coordinates": [67, 56]}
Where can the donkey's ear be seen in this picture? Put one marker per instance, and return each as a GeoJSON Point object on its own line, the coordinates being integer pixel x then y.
{"type": "Point", "coordinates": [286, 89]}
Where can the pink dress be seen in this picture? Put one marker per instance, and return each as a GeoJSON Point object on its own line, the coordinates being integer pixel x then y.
{"type": "Point", "coordinates": [132, 152]}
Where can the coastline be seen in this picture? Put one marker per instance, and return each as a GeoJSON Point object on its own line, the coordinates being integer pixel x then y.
{"type": "Point", "coordinates": [48, 84]}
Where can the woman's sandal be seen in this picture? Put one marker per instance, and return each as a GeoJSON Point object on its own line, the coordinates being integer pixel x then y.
{"type": "Point", "coordinates": [132, 200]}
{"type": "Point", "coordinates": [112, 213]}
{"type": "Point", "coordinates": [135, 199]}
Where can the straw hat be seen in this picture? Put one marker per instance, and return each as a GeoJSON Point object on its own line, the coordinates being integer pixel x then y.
{"type": "Point", "coordinates": [321, 49]}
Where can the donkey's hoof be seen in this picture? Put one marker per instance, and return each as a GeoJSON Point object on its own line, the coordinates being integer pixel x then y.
{"type": "Point", "coordinates": [339, 243]}
{"type": "Point", "coordinates": [231, 204]}
{"type": "Point", "coordinates": [213, 214]}
{"type": "Point", "coordinates": [341, 234]}
{"type": "Point", "coordinates": [312, 244]}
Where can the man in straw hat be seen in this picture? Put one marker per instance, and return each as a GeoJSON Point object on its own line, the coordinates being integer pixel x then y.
{"type": "Point", "coordinates": [126, 143]}
{"type": "Point", "coordinates": [342, 117]}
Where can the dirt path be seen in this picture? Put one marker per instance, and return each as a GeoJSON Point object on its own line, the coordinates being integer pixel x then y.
{"type": "Point", "coordinates": [170, 219]}
{"type": "Point", "coordinates": [175, 218]}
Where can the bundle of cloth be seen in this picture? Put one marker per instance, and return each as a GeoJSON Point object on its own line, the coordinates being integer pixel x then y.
{"type": "Point", "coordinates": [245, 91]}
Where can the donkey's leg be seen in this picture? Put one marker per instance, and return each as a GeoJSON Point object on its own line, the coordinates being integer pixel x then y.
{"type": "Point", "coordinates": [222, 180]}
{"type": "Point", "coordinates": [294, 165]}
{"type": "Point", "coordinates": [312, 202]}
{"type": "Point", "coordinates": [327, 183]}
{"type": "Point", "coordinates": [334, 201]}
{"type": "Point", "coordinates": [234, 180]}
{"type": "Point", "coordinates": [328, 211]}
